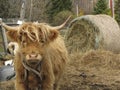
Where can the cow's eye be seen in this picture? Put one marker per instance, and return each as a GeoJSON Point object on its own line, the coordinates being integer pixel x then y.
{"type": "Point", "coordinates": [20, 38]}
{"type": "Point", "coordinates": [42, 41]}
{"type": "Point", "coordinates": [23, 43]}
{"type": "Point", "coordinates": [20, 33]}
{"type": "Point", "coordinates": [23, 53]}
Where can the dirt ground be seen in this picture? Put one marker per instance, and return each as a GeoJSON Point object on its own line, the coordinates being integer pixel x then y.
{"type": "Point", "coordinates": [94, 70]}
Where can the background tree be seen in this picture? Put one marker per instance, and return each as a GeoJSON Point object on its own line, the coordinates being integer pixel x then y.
{"type": "Point", "coordinates": [10, 10]}
{"type": "Point", "coordinates": [62, 16]}
{"type": "Point", "coordinates": [101, 7]}
{"type": "Point", "coordinates": [35, 10]}
{"type": "Point", "coordinates": [14, 9]}
{"type": "Point", "coordinates": [56, 6]}
{"type": "Point", "coordinates": [4, 8]}
{"type": "Point", "coordinates": [117, 10]}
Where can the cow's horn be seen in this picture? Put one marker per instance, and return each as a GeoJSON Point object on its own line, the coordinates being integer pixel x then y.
{"type": "Point", "coordinates": [62, 25]}
{"type": "Point", "coordinates": [6, 26]}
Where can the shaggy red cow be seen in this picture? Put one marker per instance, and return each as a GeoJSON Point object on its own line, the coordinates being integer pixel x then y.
{"type": "Point", "coordinates": [41, 58]}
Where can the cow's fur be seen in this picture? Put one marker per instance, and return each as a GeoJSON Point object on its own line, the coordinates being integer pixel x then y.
{"type": "Point", "coordinates": [38, 38]}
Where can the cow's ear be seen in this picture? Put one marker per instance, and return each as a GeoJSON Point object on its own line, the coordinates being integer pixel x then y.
{"type": "Point", "coordinates": [53, 35]}
{"type": "Point", "coordinates": [12, 35]}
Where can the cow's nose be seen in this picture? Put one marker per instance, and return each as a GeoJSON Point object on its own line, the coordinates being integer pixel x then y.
{"type": "Point", "coordinates": [31, 56]}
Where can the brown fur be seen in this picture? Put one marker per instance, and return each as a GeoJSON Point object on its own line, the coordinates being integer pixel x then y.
{"type": "Point", "coordinates": [40, 39]}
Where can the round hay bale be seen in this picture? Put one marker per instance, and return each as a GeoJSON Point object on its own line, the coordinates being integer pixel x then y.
{"type": "Point", "coordinates": [93, 32]}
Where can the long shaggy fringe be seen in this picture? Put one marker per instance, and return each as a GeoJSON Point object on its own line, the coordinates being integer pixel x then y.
{"type": "Point", "coordinates": [35, 30]}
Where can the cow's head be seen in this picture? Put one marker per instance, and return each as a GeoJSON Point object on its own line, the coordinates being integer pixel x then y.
{"type": "Point", "coordinates": [32, 38]}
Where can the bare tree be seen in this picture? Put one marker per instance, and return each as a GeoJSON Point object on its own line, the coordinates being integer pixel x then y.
{"type": "Point", "coordinates": [22, 12]}
{"type": "Point", "coordinates": [14, 9]}
{"type": "Point", "coordinates": [35, 10]}
{"type": "Point", "coordinates": [31, 9]}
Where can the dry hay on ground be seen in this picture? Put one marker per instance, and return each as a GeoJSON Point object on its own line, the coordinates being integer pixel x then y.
{"type": "Point", "coordinates": [7, 85]}
{"type": "Point", "coordinates": [1, 63]}
{"type": "Point", "coordinates": [93, 70]}
{"type": "Point", "coordinates": [93, 32]}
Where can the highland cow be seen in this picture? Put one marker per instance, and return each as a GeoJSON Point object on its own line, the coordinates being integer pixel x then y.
{"type": "Point", "coordinates": [41, 58]}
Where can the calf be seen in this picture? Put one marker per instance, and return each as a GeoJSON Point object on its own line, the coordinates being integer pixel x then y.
{"type": "Point", "coordinates": [41, 58]}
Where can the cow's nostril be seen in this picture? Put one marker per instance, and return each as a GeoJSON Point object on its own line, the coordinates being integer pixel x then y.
{"type": "Point", "coordinates": [33, 55]}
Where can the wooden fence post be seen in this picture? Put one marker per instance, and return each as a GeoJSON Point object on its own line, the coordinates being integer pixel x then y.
{"type": "Point", "coordinates": [4, 39]}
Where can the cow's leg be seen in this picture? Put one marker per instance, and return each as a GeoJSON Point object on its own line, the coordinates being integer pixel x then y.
{"type": "Point", "coordinates": [56, 86]}
{"type": "Point", "coordinates": [57, 80]}
{"type": "Point", "coordinates": [48, 82]}
{"type": "Point", "coordinates": [47, 85]}
{"type": "Point", "coordinates": [48, 76]}
{"type": "Point", "coordinates": [19, 82]}
{"type": "Point", "coordinates": [20, 86]}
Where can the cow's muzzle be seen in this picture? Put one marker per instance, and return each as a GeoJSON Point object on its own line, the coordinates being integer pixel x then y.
{"type": "Point", "coordinates": [33, 59]}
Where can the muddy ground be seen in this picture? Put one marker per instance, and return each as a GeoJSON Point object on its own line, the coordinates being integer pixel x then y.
{"type": "Point", "coordinates": [94, 70]}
